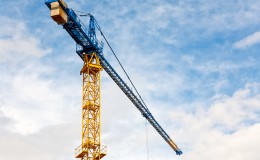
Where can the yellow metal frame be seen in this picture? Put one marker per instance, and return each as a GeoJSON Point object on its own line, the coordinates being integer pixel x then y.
{"type": "Point", "coordinates": [90, 149]}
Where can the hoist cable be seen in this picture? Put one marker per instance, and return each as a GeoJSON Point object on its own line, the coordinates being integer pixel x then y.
{"type": "Point", "coordinates": [146, 124]}
{"type": "Point", "coordinates": [98, 27]}
{"type": "Point", "coordinates": [147, 138]}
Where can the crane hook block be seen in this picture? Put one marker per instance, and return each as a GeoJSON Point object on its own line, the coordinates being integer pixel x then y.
{"type": "Point", "coordinates": [58, 14]}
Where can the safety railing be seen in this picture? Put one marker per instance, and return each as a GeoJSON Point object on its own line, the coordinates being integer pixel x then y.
{"type": "Point", "coordinates": [78, 150]}
{"type": "Point", "coordinates": [103, 150]}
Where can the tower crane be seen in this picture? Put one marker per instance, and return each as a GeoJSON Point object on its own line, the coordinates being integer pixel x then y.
{"type": "Point", "coordinates": [90, 50]}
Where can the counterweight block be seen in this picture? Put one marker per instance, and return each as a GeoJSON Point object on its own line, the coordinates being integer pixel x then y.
{"type": "Point", "coordinates": [58, 14]}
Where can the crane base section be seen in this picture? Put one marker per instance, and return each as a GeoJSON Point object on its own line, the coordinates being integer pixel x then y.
{"type": "Point", "coordinates": [80, 151]}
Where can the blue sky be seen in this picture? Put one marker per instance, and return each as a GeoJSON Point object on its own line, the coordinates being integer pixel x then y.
{"type": "Point", "coordinates": [195, 63]}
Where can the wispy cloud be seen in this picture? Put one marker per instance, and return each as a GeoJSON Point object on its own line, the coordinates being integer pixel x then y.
{"type": "Point", "coordinates": [215, 129]}
{"type": "Point", "coordinates": [17, 43]}
{"type": "Point", "coordinates": [248, 41]}
{"type": "Point", "coordinates": [24, 88]}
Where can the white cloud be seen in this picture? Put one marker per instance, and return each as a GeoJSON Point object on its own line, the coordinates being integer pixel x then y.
{"type": "Point", "coordinates": [233, 113]}
{"type": "Point", "coordinates": [28, 99]}
{"type": "Point", "coordinates": [29, 110]}
{"type": "Point", "coordinates": [31, 102]}
{"type": "Point", "coordinates": [241, 145]}
{"type": "Point", "coordinates": [226, 129]}
{"type": "Point", "coordinates": [17, 43]}
{"type": "Point", "coordinates": [248, 41]}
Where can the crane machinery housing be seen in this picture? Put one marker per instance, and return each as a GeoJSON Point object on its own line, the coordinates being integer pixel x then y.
{"type": "Point", "coordinates": [90, 49]}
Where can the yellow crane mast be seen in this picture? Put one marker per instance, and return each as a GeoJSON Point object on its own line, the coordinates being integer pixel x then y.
{"type": "Point", "coordinates": [91, 148]}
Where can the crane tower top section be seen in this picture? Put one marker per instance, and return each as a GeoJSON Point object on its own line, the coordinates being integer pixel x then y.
{"type": "Point", "coordinates": [85, 37]}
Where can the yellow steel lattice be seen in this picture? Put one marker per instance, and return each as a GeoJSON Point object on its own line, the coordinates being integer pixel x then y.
{"type": "Point", "coordinates": [90, 149]}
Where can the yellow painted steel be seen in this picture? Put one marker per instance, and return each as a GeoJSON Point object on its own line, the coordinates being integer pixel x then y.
{"type": "Point", "coordinates": [58, 14]}
{"type": "Point", "coordinates": [91, 148]}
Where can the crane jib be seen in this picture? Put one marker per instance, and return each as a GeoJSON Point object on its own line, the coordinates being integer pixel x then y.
{"type": "Point", "coordinates": [82, 36]}
{"type": "Point", "coordinates": [144, 111]}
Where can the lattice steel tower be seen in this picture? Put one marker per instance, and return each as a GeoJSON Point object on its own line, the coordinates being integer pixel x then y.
{"type": "Point", "coordinates": [90, 149]}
